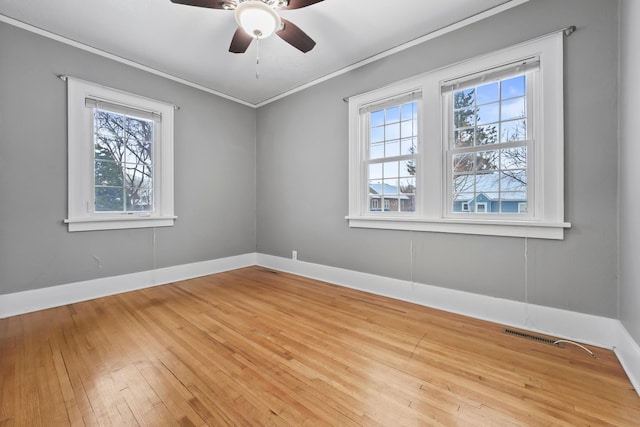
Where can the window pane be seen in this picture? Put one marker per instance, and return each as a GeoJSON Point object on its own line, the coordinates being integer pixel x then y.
{"type": "Point", "coordinates": [408, 146]}
{"type": "Point", "coordinates": [138, 155]}
{"type": "Point", "coordinates": [513, 87]}
{"type": "Point", "coordinates": [488, 182]}
{"type": "Point", "coordinates": [109, 199]}
{"type": "Point", "coordinates": [514, 203]}
{"type": "Point", "coordinates": [463, 184]}
{"type": "Point", "coordinates": [375, 171]}
{"type": "Point", "coordinates": [392, 115]}
{"type": "Point", "coordinates": [488, 113]}
{"type": "Point", "coordinates": [487, 161]}
{"type": "Point", "coordinates": [464, 98]}
{"type": "Point", "coordinates": [406, 129]}
{"type": "Point", "coordinates": [514, 158]}
{"type": "Point", "coordinates": [109, 148]}
{"type": "Point", "coordinates": [391, 170]}
{"type": "Point", "coordinates": [390, 187]}
{"type": "Point", "coordinates": [392, 149]}
{"type": "Point", "coordinates": [487, 135]}
{"type": "Point", "coordinates": [108, 173]}
{"type": "Point", "coordinates": [376, 134]}
{"type": "Point", "coordinates": [513, 109]}
{"type": "Point", "coordinates": [514, 130]}
{"type": "Point", "coordinates": [407, 168]}
{"type": "Point", "coordinates": [139, 130]}
{"type": "Point", "coordinates": [488, 93]}
{"type": "Point", "coordinates": [514, 181]}
{"type": "Point", "coordinates": [463, 163]}
{"type": "Point", "coordinates": [375, 187]}
{"type": "Point", "coordinates": [138, 175]}
{"type": "Point", "coordinates": [376, 151]}
{"type": "Point", "coordinates": [464, 118]}
{"type": "Point", "coordinates": [377, 118]}
{"type": "Point", "coordinates": [409, 111]}
{"type": "Point", "coordinates": [139, 200]}
{"type": "Point", "coordinates": [408, 185]}
{"type": "Point", "coordinates": [463, 138]}
{"type": "Point", "coordinates": [392, 131]}
{"type": "Point", "coordinates": [108, 124]}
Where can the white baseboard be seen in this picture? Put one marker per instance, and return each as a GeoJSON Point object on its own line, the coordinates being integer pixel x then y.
{"type": "Point", "coordinates": [55, 296]}
{"type": "Point", "coordinates": [594, 330]}
{"type": "Point", "coordinates": [585, 328]}
{"type": "Point", "coordinates": [628, 353]}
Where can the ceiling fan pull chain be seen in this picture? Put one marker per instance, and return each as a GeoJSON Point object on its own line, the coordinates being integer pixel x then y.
{"type": "Point", "coordinates": [257, 58]}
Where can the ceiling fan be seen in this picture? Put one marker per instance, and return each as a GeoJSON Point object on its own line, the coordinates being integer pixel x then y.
{"type": "Point", "coordinates": [258, 19]}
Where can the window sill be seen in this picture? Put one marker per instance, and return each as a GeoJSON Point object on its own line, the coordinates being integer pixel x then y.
{"type": "Point", "coordinates": [535, 230]}
{"type": "Point", "coordinates": [111, 223]}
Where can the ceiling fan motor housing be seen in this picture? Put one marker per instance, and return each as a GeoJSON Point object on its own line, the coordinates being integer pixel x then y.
{"type": "Point", "coordinates": [257, 18]}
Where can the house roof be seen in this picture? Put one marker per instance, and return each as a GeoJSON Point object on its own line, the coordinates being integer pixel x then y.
{"type": "Point", "coordinates": [519, 196]}
{"type": "Point", "coordinates": [488, 185]}
{"type": "Point", "coordinates": [377, 189]}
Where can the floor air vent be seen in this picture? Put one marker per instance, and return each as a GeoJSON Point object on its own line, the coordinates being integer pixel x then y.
{"type": "Point", "coordinates": [533, 337]}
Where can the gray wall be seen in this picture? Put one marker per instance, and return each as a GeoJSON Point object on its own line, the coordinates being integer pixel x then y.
{"type": "Point", "coordinates": [302, 172]}
{"type": "Point", "coordinates": [629, 153]}
{"type": "Point", "coordinates": [214, 172]}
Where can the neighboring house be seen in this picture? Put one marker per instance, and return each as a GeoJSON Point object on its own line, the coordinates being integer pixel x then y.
{"type": "Point", "coordinates": [489, 195]}
{"type": "Point", "coordinates": [388, 198]}
{"type": "Point", "coordinates": [482, 203]}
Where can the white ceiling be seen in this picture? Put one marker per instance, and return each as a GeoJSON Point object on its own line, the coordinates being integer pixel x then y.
{"type": "Point", "coordinates": [191, 43]}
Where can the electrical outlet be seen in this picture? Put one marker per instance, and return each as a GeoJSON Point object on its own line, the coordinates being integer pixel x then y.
{"type": "Point", "coordinates": [294, 255]}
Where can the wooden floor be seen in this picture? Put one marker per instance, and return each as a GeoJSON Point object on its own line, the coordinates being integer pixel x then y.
{"type": "Point", "coordinates": [256, 347]}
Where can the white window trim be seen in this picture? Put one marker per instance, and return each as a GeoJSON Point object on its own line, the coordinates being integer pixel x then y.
{"type": "Point", "coordinates": [431, 215]}
{"type": "Point", "coordinates": [80, 168]}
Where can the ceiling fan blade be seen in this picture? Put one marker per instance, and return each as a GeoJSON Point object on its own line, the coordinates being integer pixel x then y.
{"type": "Point", "coordinates": [296, 37]}
{"type": "Point", "coordinates": [212, 4]}
{"type": "Point", "coordinates": [240, 42]}
{"type": "Point", "coordinates": [298, 4]}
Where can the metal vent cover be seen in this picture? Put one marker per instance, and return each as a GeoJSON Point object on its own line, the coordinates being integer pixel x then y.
{"type": "Point", "coordinates": [533, 337]}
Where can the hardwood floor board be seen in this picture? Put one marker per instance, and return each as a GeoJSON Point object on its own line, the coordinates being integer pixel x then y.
{"type": "Point", "coordinates": [209, 418]}
{"type": "Point", "coordinates": [92, 360]}
{"type": "Point", "coordinates": [387, 384]}
{"type": "Point", "coordinates": [125, 413]}
{"type": "Point", "coordinates": [179, 358]}
{"type": "Point", "coordinates": [264, 345]}
{"type": "Point", "coordinates": [68, 368]}
{"type": "Point", "coordinates": [256, 347]}
{"type": "Point", "coordinates": [174, 399]}
{"type": "Point", "coordinates": [8, 386]}
{"type": "Point", "coordinates": [50, 394]}
{"type": "Point", "coordinates": [506, 389]}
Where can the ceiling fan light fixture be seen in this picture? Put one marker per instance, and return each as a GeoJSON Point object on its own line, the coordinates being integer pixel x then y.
{"type": "Point", "coordinates": [257, 19]}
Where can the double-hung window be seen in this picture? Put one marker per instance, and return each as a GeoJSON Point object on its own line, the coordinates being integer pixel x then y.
{"type": "Point", "coordinates": [120, 159]}
{"type": "Point", "coordinates": [391, 152]}
{"type": "Point", "coordinates": [476, 147]}
{"type": "Point", "coordinates": [488, 130]}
